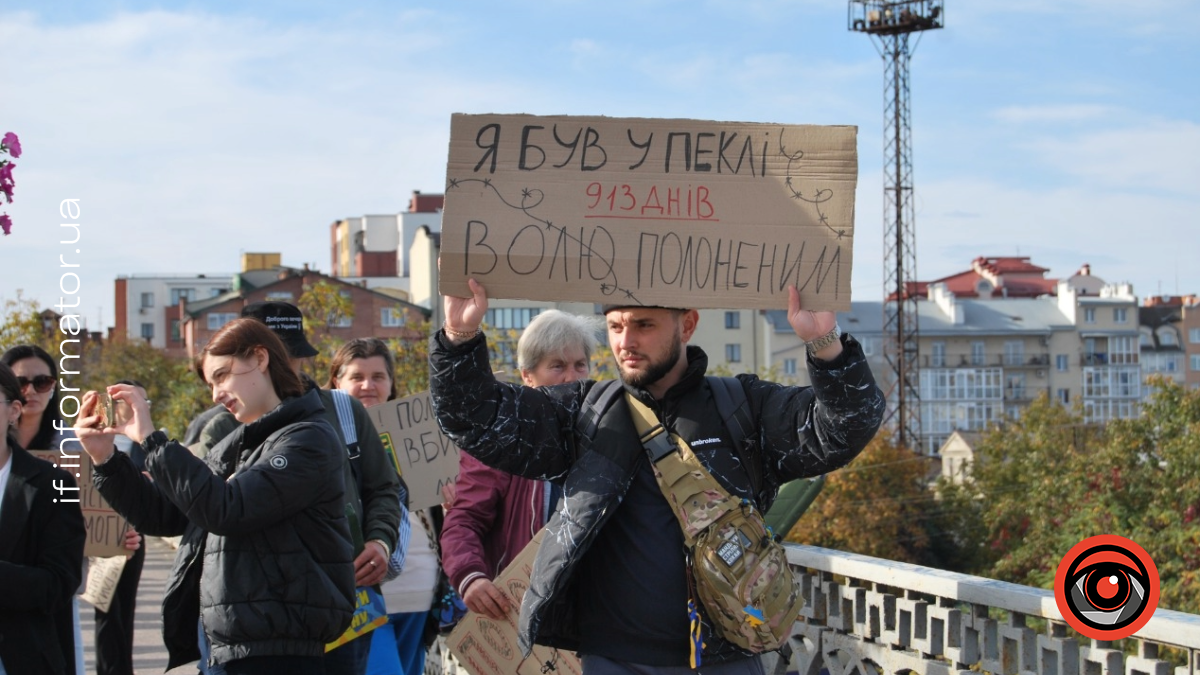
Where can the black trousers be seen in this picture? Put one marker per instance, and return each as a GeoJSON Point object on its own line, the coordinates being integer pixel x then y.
{"type": "Point", "coordinates": [114, 628]}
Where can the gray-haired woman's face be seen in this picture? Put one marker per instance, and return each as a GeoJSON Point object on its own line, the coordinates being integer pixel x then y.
{"type": "Point", "coordinates": [568, 366]}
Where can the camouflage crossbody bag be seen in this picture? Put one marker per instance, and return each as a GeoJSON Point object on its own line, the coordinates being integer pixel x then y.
{"type": "Point", "coordinates": [740, 571]}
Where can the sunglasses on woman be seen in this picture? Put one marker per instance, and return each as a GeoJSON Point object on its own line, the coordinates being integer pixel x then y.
{"type": "Point", "coordinates": [41, 383]}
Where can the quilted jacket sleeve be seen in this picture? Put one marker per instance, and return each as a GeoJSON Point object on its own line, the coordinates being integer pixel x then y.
{"type": "Point", "coordinates": [524, 431]}
{"type": "Point", "coordinates": [809, 431]}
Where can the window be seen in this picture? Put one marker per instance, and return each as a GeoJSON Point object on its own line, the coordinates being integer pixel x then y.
{"type": "Point", "coordinates": [1062, 362]}
{"type": "Point", "coordinates": [1089, 315]}
{"type": "Point", "coordinates": [1119, 314]}
{"type": "Point", "coordinates": [1194, 361]}
{"type": "Point", "coordinates": [789, 366]}
{"type": "Point", "coordinates": [937, 358]}
{"type": "Point", "coordinates": [175, 334]}
{"type": "Point", "coordinates": [1167, 337]}
{"type": "Point", "coordinates": [147, 331]}
{"type": "Point", "coordinates": [1194, 335]}
{"type": "Point", "coordinates": [279, 296]}
{"type": "Point", "coordinates": [733, 353]}
{"type": "Point", "coordinates": [1064, 396]}
{"type": "Point", "coordinates": [1122, 350]}
{"type": "Point", "coordinates": [1015, 386]}
{"type": "Point", "coordinates": [391, 317]}
{"type": "Point", "coordinates": [147, 299]}
{"type": "Point", "coordinates": [178, 294]}
{"type": "Point", "coordinates": [345, 321]}
{"type": "Point", "coordinates": [510, 318]}
{"type": "Point", "coordinates": [978, 355]}
{"type": "Point", "coordinates": [218, 319]}
{"type": "Point", "coordinates": [733, 319]}
{"type": "Point", "coordinates": [214, 292]}
{"type": "Point", "coordinates": [1014, 352]}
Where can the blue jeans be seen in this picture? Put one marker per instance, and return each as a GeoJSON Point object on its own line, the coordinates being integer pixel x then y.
{"type": "Point", "coordinates": [399, 646]}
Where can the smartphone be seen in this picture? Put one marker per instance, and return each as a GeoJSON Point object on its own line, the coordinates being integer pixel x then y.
{"type": "Point", "coordinates": [113, 412]}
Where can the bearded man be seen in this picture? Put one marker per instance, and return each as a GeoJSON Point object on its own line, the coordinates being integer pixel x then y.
{"type": "Point", "coordinates": [611, 579]}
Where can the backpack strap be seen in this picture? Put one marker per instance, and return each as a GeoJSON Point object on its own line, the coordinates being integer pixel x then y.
{"type": "Point", "coordinates": [598, 399]}
{"type": "Point", "coordinates": [734, 407]}
{"type": "Point", "coordinates": [345, 415]}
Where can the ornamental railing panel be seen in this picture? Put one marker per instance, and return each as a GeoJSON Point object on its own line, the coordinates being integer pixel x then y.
{"type": "Point", "coordinates": [866, 616]}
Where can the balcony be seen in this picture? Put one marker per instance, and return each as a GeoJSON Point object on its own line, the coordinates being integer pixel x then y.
{"type": "Point", "coordinates": [866, 616]}
{"type": "Point", "coordinates": [987, 360]}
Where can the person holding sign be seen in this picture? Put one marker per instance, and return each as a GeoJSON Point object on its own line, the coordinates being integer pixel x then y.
{"type": "Point", "coordinates": [611, 579]}
{"type": "Point", "coordinates": [41, 550]}
{"type": "Point", "coordinates": [365, 369]}
{"type": "Point", "coordinates": [495, 514]}
{"type": "Point", "coordinates": [264, 571]}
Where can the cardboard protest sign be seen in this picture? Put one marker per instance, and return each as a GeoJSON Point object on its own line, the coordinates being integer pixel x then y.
{"type": "Point", "coordinates": [487, 647]}
{"type": "Point", "coordinates": [421, 453]}
{"type": "Point", "coordinates": [652, 212]}
{"type": "Point", "coordinates": [105, 527]}
{"type": "Point", "coordinates": [103, 576]}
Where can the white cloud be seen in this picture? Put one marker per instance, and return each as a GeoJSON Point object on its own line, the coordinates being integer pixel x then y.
{"type": "Point", "coordinates": [1042, 114]}
{"type": "Point", "coordinates": [1161, 157]}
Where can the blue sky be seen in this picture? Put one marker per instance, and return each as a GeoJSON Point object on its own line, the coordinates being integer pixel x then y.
{"type": "Point", "coordinates": [1067, 131]}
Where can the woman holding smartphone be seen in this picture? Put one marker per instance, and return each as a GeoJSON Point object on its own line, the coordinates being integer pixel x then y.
{"type": "Point", "coordinates": [264, 576]}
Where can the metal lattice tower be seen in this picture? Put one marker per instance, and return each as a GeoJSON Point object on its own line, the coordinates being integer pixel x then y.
{"type": "Point", "coordinates": [890, 24]}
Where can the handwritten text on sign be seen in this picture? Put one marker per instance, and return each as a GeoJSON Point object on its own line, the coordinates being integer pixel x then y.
{"type": "Point", "coordinates": [653, 212]}
{"type": "Point", "coordinates": [421, 453]}
{"type": "Point", "coordinates": [488, 647]}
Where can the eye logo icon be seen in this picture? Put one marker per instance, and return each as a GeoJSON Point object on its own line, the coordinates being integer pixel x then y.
{"type": "Point", "coordinates": [1106, 587]}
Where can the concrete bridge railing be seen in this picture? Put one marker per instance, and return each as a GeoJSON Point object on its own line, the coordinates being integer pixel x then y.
{"type": "Point", "coordinates": [866, 616]}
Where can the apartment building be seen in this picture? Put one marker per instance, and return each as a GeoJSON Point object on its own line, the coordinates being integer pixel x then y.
{"type": "Point", "coordinates": [375, 314]}
{"type": "Point", "coordinates": [147, 305]}
{"type": "Point", "coordinates": [379, 245]}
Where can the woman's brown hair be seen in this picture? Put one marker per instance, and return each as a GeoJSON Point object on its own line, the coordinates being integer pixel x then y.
{"type": "Point", "coordinates": [239, 338]}
{"type": "Point", "coordinates": [10, 387]}
{"type": "Point", "coordinates": [362, 348]}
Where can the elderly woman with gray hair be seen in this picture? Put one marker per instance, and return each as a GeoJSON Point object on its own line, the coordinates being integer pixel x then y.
{"type": "Point", "coordinates": [495, 514]}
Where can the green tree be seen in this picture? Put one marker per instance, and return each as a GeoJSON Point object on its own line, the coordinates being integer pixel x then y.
{"type": "Point", "coordinates": [324, 307]}
{"type": "Point", "coordinates": [176, 393]}
{"type": "Point", "coordinates": [21, 324]}
{"type": "Point", "coordinates": [412, 361]}
{"type": "Point", "coordinates": [875, 506]}
{"type": "Point", "coordinates": [1042, 484]}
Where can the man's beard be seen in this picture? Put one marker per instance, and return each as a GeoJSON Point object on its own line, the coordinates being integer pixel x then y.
{"type": "Point", "coordinates": [655, 370]}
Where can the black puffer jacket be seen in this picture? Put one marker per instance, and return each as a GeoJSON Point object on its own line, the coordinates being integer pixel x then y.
{"type": "Point", "coordinates": [266, 557]}
{"type": "Point", "coordinates": [801, 431]}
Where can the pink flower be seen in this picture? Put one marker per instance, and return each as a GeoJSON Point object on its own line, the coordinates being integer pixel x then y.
{"type": "Point", "coordinates": [6, 180]}
{"type": "Point", "coordinates": [12, 144]}
{"type": "Point", "coordinates": [6, 224]}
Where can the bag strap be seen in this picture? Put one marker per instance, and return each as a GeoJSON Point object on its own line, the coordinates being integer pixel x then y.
{"type": "Point", "coordinates": [673, 460]}
{"type": "Point", "coordinates": [734, 407]}
{"type": "Point", "coordinates": [598, 400]}
{"type": "Point", "coordinates": [345, 415]}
